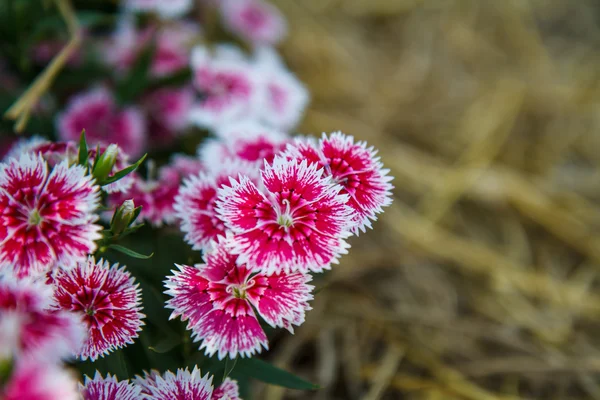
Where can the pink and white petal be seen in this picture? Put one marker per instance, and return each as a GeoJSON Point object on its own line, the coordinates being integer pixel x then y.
{"type": "Point", "coordinates": [185, 385]}
{"type": "Point", "coordinates": [108, 388]}
{"type": "Point", "coordinates": [228, 390]}
{"type": "Point", "coordinates": [241, 205]}
{"type": "Point", "coordinates": [189, 290]}
{"type": "Point", "coordinates": [32, 380]}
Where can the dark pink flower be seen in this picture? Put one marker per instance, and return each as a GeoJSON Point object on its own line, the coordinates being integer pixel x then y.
{"type": "Point", "coordinates": [181, 386]}
{"type": "Point", "coordinates": [46, 217]}
{"type": "Point", "coordinates": [255, 21]}
{"type": "Point", "coordinates": [109, 388]}
{"type": "Point", "coordinates": [298, 223]}
{"type": "Point", "coordinates": [104, 123]}
{"type": "Point", "coordinates": [245, 141]}
{"type": "Point", "coordinates": [28, 328]}
{"type": "Point", "coordinates": [167, 110]}
{"type": "Point", "coordinates": [32, 380]}
{"type": "Point", "coordinates": [219, 299]}
{"type": "Point", "coordinates": [355, 167]}
{"type": "Point", "coordinates": [227, 86]}
{"type": "Point", "coordinates": [228, 390]}
{"type": "Point", "coordinates": [195, 205]}
{"type": "Point", "coordinates": [108, 300]}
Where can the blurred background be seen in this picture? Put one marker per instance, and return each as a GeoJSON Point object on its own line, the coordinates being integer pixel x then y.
{"type": "Point", "coordinates": [480, 281]}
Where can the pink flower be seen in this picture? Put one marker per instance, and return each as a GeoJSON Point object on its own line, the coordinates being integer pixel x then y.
{"type": "Point", "coordinates": [219, 299]}
{"type": "Point", "coordinates": [166, 9]}
{"type": "Point", "coordinates": [96, 112]}
{"type": "Point", "coordinates": [283, 97]}
{"type": "Point", "coordinates": [182, 166]}
{"type": "Point", "coordinates": [108, 300]}
{"type": "Point", "coordinates": [32, 380]}
{"type": "Point", "coordinates": [28, 328]}
{"type": "Point", "coordinates": [245, 141]}
{"type": "Point", "coordinates": [57, 152]}
{"type": "Point", "coordinates": [195, 205]}
{"type": "Point", "coordinates": [298, 223]}
{"type": "Point", "coordinates": [109, 388]}
{"type": "Point", "coordinates": [185, 385]}
{"type": "Point", "coordinates": [228, 88]}
{"type": "Point", "coordinates": [157, 198]}
{"type": "Point", "coordinates": [255, 21]}
{"type": "Point", "coordinates": [46, 217]}
{"type": "Point", "coordinates": [356, 168]}
{"type": "Point", "coordinates": [167, 110]}
{"type": "Point", "coordinates": [229, 390]}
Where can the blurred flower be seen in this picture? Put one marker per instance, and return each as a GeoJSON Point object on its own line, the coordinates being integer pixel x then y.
{"type": "Point", "coordinates": [229, 390]}
{"type": "Point", "coordinates": [108, 388]}
{"type": "Point", "coordinates": [104, 123]}
{"type": "Point", "coordinates": [28, 328]}
{"type": "Point", "coordinates": [108, 300]}
{"type": "Point", "coordinates": [255, 21]}
{"type": "Point", "coordinates": [166, 9]}
{"type": "Point", "coordinates": [183, 385]}
{"type": "Point", "coordinates": [217, 300]}
{"type": "Point", "coordinates": [298, 223]}
{"type": "Point", "coordinates": [167, 110]}
{"type": "Point", "coordinates": [46, 217]}
{"type": "Point", "coordinates": [32, 380]}
{"type": "Point", "coordinates": [195, 205]}
{"type": "Point", "coordinates": [182, 166]}
{"type": "Point", "coordinates": [353, 166]}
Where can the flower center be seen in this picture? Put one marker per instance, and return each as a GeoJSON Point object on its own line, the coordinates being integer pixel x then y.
{"type": "Point", "coordinates": [90, 311]}
{"type": "Point", "coordinates": [35, 218]}
{"type": "Point", "coordinates": [285, 220]}
{"type": "Point", "coordinates": [239, 292]}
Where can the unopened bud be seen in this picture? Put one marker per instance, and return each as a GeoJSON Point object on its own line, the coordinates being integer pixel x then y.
{"type": "Point", "coordinates": [105, 163]}
{"type": "Point", "coordinates": [123, 217]}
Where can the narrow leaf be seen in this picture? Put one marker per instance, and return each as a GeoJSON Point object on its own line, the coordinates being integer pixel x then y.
{"type": "Point", "coordinates": [268, 373]}
{"type": "Point", "coordinates": [129, 252]}
{"type": "Point", "coordinates": [83, 151]}
{"type": "Point", "coordinates": [124, 172]}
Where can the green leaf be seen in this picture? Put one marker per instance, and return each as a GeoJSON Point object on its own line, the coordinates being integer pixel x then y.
{"type": "Point", "coordinates": [83, 151]}
{"type": "Point", "coordinates": [124, 172]}
{"type": "Point", "coordinates": [268, 373]}
{"type": "Point", "coordinates": [129, 252]}
{"type": "Point", "coordinates": [166, 345]}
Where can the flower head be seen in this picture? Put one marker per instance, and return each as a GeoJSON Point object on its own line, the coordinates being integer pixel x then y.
{"type": "Point", "coordinates": [28, 328]}
{"type": "Point", "coordinates": [228, 390]}
{"type": "Point", "coordinates": [183, 385]}
{"type": "Point", "coordinates": [220, 300]}
{"type": "Point", "coordinates": [108, 388]}
{"type": "Point", "coordinates": [355, 167]}
{"type": "Point", "coordinates": [32, 380]}
{"type": "Point", "coordinates": [108, 300]}
{"type": "Point", "coordinates": [95, 112]}
{"type": "Point", "coordinates": [298, 223]}
{"type": "Point", "coordinates": [256, 21]}
{"type": "Point", "coordinates": [195, 206]}
{"type": "Point", "coordinates": [167, 110]}
{"type": "Point", "coordinates": [46, 217]}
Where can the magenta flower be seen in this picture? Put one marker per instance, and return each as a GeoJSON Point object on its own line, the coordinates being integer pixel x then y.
{"type": "Point", "coordinates": [298, 223]}
{"type": "Point", "coordinates": [228, 390]}
{"type": "Point", "coordinates": [245, 141]}
{"type": "Point", "coordinates": [28, 328]}
{"type": "Point", "coordinates": [46, 217]}
{"type": "Point", "coordinates": [227, 86]}
{"type": "Point", "coordinates": [219, 299]}
{"type": "Point", "coordinates": [32, 380]}
{"type": "Point", "coordinates": [108, 300]}
{"type": "Point", "coordinates": [109, 388]}
{"type": "Point", "coordinates": [181, 386]}
{"type": "Point", "coordinates": [195, 206]}
{"type": "Point", "coordinates": [96, 112]}
{"type": "Point", "coordinates": [356, 168]}
{"type": "Point", "coordinates": [167, 110]}
{"type": "Point", "coordinates": [256, 21]}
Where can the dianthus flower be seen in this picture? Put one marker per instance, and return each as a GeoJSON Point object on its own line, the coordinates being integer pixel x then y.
{"type": "Point", "coordinates": [298, 223]}
{"type": "Point", "coordinates": [46, 217]}
{"type": "Point", "coordinates": [108, 300]}
{"type": "Point", "coordinates": [167, 110]}
{"type": "Point", "coordinates": [32, 380]}
{"type": "Point", "coordinates": [95, 112]}
{"type": "Point", "coordinates": [195, 205]}
{"type": "Point", "coordinates": [181, 386]}
{"type": "Point", "coordinates": [228, 89]}
{"type": "Point", "coordinates": [28, 328]}
{"type": "Point", "coordinates": [246, 141]}
{"type": "Point", "coordinates": [255, 21]}
{"type": "Point", "coordinates": [355, 167]}
{"type": "Point", "coordinates": [109, 388]}
{"type": "Point", "coordinates": [182, 166]}
{"type": "Point", "coordinates": [283, 97]}
{"type": "Point", "coordinates": [228, 390]}
{"type": "Point", "coordinates": [219, 299]}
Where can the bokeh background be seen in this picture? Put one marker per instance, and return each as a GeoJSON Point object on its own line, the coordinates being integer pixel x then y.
{"type": "Point", "coordinates": [480, 281]}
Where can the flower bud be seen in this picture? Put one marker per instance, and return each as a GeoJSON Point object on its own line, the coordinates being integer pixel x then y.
{"type": "Point", "coordinates": [105, 163]}
{"type": "Point", "coordinates": [123, 217]}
